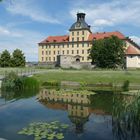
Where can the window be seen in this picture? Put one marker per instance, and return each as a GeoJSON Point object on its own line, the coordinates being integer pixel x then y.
{"type": "Point", "coordinates": [63, 52]}
{"type": "Point", "coordinates": [82, 51]}
{"type": "Point", "coordinates": [42, 52]}
{"type": "Point", "coordinates": [58, 46]}
{"type": "Point", "coordinates": [46, 46]}
{"type": "Point", "coordinates": [58, 52]}
{"type": "Point", "coordinates": [68, 45]}
{"type": "Point", "coordinates": [88, 51]}
{"type": "Point", "coordinates": [46, 59]}
{"type": "Point", "coordinates": [49, 46]}
{"type": "Point", "coordinates": [77, 33]}
{"type": "Point", "coordinates": [82, 44]}
{"type": "Point", "coordinates": [82, 32]}
{"type": "Point", "coordinates": [73, 39]}
{"type": "Point", "coordinates": [88, 58]}
{"type": "Point", "coordinates": [72, 33]}
{"type": "Point", "coordinates": [77, 51]}
{"type": "Point", "coordinates": [54, 46]}
{"type": "Point", "coordinates": [54, 59]}
{"type": "Point", "coordinates": [49, 58]}
{"type": "Point", "coordinates": [49, 52]}
{"type": "Point", "coordinates": [42, 47]}
{"type": "Point", "coordinates": [77, 45]}
{"type": "Point", "coordinates": [82, 38]}
{"type": "Point", "coordinates": [82, 58]}
{"type": "Point", "coordinates": [63, 45]}
{"type": "Point", "coordinates": [46, 52]}
{"type": "Point", "coordinates": [67, 51]}
{"type": "Point", "coordinates": [72, 51]}
{"type": "Point", "coordinates": [77, 38]}
{"type": "Point", "coordinates": [72, 45]}
{"type": "Point", "coordinates": [42, 59]}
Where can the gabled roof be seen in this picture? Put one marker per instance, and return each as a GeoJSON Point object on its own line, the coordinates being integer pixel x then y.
{"type": "Point", "coordinates": [92, 36]}
{"type": "Point", "coordinates": [56, 39]}
{"type": "Point", "coordinates": [132, 51]}
{"type": "Point", "coordinates": [104, 35]}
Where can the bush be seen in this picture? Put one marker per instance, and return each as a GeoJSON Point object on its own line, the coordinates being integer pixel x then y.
{"type": "Point", "coordinates": [13, 82]}
{"type": "Point", "coordinates": [125, 86]}
{"type": "Point", "coordinates": [51, 83]}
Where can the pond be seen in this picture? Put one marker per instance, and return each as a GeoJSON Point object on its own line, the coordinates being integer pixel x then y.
{"type": "Point", "coordinates": [97, 116]}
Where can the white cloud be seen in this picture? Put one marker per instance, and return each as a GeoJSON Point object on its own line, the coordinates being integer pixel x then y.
{"type": "Point", "coordinates": [109, 13]}
{"type": "Point", "coordinates": [6, 32]}
{"type": "Point", "coordinates": [136, 39]}
{"type": "Point", "coordinates": [29, 9]}
{"type": "Point", "coordinates": [26, 41]}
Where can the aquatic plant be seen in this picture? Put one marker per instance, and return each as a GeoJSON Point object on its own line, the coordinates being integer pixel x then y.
{"type": "Point", "coordinates": [45, 130]}
{"type": "Point", "coordinates": [14, 82]}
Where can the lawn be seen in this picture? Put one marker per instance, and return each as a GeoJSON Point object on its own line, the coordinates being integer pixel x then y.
{"type": "Point", "coordinates": [3, 71]}
{"type": "Point", "coordinates": [91, 77]}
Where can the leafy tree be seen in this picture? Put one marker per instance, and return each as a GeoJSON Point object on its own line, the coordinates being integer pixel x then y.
{"type": "Point", "coordinates": [108, 52]}
{"type": "Point", "coordinates": [18, 58]}
{"type": "Point", "coordinates": [5, 59]}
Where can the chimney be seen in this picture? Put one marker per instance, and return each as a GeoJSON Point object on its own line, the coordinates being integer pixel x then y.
{"type": "Point", "coordinates": [81, 16]}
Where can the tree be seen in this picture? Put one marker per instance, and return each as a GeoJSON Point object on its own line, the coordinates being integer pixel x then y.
{"type": "Point", "coordinates": [5, 59]}
{"type": "Point", "coordinates": [18, 58]}
{"type": "Point", "coordinates": [108, 52]}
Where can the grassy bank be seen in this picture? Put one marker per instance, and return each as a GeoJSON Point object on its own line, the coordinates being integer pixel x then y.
{"type": "Point", "coordinates": [91, 77]}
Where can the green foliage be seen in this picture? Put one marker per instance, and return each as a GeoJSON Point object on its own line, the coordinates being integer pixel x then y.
{"type": "Point", "coordinates": [5, 59]}
{"type": "Point", "coordinates": [30, 83]}
{"type": "Point", "coordinates": [45, 130]}
{"type": "Point", "coordinates": [125, 86]}
{"type": "Point", "coordinates": [126, 116]}
{"type": "Point", "coordinates": [51, 83]}
{"type": "Point", "coordinates": [13, 82]}
{"type": "Point", "coordinates": [108, 53]}
{"type": "Point", "coordinates": [18, 59]}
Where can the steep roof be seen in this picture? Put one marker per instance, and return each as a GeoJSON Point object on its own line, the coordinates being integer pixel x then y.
{"type": "Point", "coordinates": [92, 36]}
{"type": "Point", "coordinates": [56, 39]}
{"type": "Point", "coordinates": [132, 51]}
{"type": "Point", "coordinates": [104, 35]}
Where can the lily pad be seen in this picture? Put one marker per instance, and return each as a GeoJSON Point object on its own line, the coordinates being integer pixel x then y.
{"type": "Point", "coordinates": [45, 130]}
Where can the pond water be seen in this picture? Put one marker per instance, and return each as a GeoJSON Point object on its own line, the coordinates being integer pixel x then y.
{"type": "Point", "coordinates": [100, 116]}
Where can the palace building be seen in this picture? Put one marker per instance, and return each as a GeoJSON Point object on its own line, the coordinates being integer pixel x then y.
{"type": "Point", "coordinates": [74, 48]}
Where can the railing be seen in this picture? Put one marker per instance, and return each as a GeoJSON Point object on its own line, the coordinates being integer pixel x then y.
{"type": "Point", "coordinates": [20, 72]}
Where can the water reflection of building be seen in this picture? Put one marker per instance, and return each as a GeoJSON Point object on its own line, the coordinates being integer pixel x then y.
{"type": "Point", "coordinates": [76, 104]}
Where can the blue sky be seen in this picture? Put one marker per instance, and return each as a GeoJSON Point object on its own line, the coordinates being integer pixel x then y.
{"type": "Point", "coordinates": [24, 23]}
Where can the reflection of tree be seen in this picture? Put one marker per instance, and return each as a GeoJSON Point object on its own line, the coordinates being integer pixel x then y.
{"type": "Point", "coordinates": [18, 94]}
{"type": "Point", "coordinates": [126, 117]}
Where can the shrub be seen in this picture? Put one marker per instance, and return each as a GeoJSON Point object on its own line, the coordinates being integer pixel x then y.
{"type": "Point", "coordinates": [51, 83]}
{"type": "Point", "coordinates": [13, 82]}
{"type": "Point", "coordinates": [125, 86]}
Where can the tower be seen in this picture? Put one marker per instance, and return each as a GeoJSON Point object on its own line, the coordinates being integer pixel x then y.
{"type": "Point", "coordinates": [80, 30]}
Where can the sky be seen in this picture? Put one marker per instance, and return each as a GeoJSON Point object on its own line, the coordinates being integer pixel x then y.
{"type": "Point", "coordinates": [24, 23]}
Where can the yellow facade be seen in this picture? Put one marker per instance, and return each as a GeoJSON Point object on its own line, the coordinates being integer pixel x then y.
{"type": "Point", "coordinates": [77, 44]}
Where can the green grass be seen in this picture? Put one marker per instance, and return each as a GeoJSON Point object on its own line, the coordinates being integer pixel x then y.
{"type": "Point", "coordinates": [4, 71]}
{"type": "Point", "coordinates": [91, 77]}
